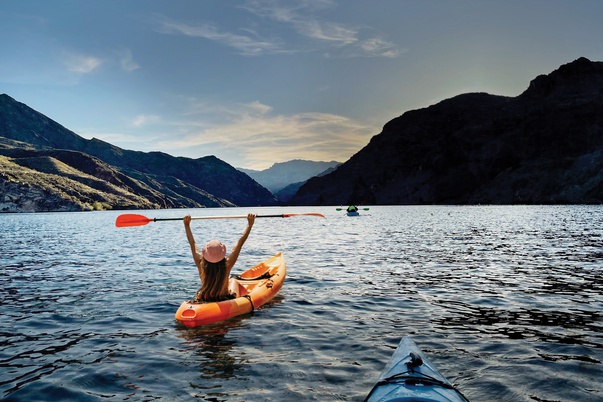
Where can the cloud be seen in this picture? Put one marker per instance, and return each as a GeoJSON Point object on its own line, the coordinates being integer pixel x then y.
{"type": "Point", "coordinates": [81, 64]}
{"type": "Point", "coordinates": [260, 137]}
{"type": "Point", "coordinates": [258, 107]}
{"type": "Point", "coordinates": [245, 44]}
{"type": "Point", "coordinates": [379, 47]}
{"type": "Point", "coordinates": [329, 32]}
{"type": "Point", "coordinates": [143, 120]}
{"type": "Point", "coordinates": [281, 19]}
{"type": "Point", "coordinates": [126, 60]}
{"type": "Point", "coordinates": [301, 17]}
{"type": "Point", "coordinates": [295, 15]}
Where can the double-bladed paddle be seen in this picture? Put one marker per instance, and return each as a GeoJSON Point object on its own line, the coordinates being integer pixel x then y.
{"type": "Point", "coordinates": [128, 220]}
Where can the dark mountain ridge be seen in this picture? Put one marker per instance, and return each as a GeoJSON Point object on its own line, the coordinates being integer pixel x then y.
{"type": "Point", "coordinates": [543, 146]}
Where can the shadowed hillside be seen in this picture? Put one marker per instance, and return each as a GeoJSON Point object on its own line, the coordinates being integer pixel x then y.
{"type": "Point", "coordinates": [155, 179]}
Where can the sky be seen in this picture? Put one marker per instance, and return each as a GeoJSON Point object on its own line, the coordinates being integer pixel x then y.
{"type": "Point", "coordinates": [259, 82]}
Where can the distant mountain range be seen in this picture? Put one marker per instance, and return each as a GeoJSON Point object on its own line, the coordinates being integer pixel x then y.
{"type": "Point", "coordinates": [283, 179]}
{"type": "Point", "coordinates": [285, 194]}
{"type": "Point", "coordinates": [544, 146]}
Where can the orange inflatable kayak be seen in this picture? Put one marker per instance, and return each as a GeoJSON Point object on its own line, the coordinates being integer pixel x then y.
{"type": "Point", "coordinates": [253, 287]}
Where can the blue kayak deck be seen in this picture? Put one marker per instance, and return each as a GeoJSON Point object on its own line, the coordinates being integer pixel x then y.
{"type": "Point", "coordinates": [410, 376]}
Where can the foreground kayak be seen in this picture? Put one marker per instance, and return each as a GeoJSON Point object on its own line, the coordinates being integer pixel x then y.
{"type": "Point", "coordinates": [353, 213]}
{"type": "Point", "coordinates": [253, 287]}
{"type": "Point", "coordinates": [410, 376]}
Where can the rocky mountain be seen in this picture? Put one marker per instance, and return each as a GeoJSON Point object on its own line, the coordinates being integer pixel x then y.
{"type": "Point", "coordinates": [42, 157]}
{"type": "Point", "coordinates": [543, 146]}
{"type": "Point", "coordinates": [32, 181]}
{"type": "Point", "coordinates": [281, 175]}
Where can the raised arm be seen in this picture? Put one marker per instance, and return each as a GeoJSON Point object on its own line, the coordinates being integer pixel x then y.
{"type": "Point", "coordinates": [234, 254]}
{"type": "Point", "coordinates": [191, 240]}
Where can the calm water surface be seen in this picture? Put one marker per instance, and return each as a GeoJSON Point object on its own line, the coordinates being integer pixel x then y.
{"type": "Point", "coordinates": [506, 301]}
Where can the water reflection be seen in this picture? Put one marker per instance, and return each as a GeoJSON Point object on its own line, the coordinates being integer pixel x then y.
{"type": "Point", "coordinates": [211, 348]}
{"type": "Point", "coordinates": [216, 352]}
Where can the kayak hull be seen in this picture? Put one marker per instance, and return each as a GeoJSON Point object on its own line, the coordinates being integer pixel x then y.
{"type": "Point", "coordinates": [403, 382]}
{"type": "Point", "coordinates": [353, 213]}
{"type": "Point", "coordinates": [254, 287]}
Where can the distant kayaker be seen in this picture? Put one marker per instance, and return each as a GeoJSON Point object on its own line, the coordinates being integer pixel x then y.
{"type": "Point", "coordinates": [352, 208]}
{"type": "Point", "coordinates": [213, 265]}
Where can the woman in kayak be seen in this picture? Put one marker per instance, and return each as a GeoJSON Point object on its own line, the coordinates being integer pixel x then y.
{"type": "Point", "coordinates": [213, 265]}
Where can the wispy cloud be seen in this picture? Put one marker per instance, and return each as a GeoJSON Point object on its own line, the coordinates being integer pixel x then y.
{"type": "Point", "coordinates": [298, 16]}
{"type": "Point", "coordinates": [143, 120]}
{"type": "Point", "coordinates": [330, 32]}
{"type": "Point", "coordinates": [379, 47]}
{"type": "Point", "coordinates": [81, 64]}
{"type": "Point", "coordinates": [261, 137]}
{"type": "Point", "coordinates": [245, 44]}
{"type": "Point", "coordinates": [126, 60]}
{"type": "Point", "coordinates": [301, 18]}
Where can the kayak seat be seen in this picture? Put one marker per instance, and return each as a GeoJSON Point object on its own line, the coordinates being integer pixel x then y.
{"type": "Point", "coordinates": [265, 275]}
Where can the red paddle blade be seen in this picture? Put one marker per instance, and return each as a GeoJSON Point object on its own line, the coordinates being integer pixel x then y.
{"type": "Point", "coordinates": [127, 220]}
{"type": "Point", "coordinates": [305, 214]}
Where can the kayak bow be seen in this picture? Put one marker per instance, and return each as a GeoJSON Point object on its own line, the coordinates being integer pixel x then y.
{"type": "Point", "coordinates": [410, 376]}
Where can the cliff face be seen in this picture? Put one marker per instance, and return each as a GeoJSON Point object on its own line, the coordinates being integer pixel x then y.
{"type": "Point", "coordinates": [543, 146]}
{"type": "Point", "coordinates": [106, 176]}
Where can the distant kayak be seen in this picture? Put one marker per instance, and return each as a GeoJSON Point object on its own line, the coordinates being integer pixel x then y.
{"type": "Point", "coordinates": [352, 210]}
{"type": "Point", "coordinates": [410, 376]}
{"type": "Point", "coordinates": [256, 286]}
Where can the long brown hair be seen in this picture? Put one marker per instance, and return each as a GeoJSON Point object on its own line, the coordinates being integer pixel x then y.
{"type": "Point", "coordinates": [214, 278]}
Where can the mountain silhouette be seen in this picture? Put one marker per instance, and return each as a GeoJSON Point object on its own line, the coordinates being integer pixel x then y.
{"type": "Point", "coordinates": [544, 146]}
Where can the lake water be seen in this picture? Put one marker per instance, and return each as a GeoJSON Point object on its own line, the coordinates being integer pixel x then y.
{"type": "Point", "coordinates": [507, 301]}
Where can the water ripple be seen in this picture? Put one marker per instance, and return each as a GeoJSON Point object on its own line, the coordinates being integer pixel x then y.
{"type": "Point", "coordinates": [507, 301]}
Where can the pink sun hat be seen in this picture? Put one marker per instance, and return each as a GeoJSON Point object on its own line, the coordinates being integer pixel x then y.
{"type": "Point", "coordinates": [214, 251]}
